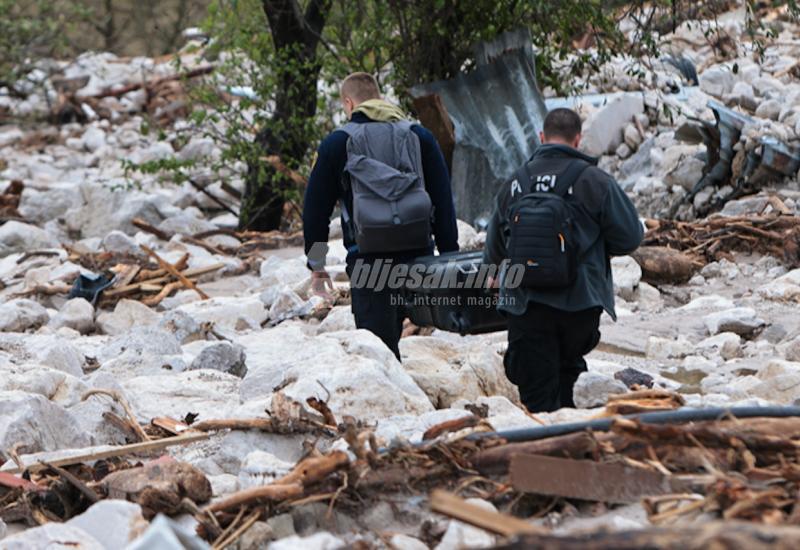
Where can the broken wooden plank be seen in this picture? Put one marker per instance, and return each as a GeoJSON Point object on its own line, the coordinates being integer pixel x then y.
{"type": "Point", "coordinates": [174, 272]}
{"type": "Point", "coordinates": [171, 425]}
{"type": "Point", "coordinates": [455, 507]}
{"type": "Point", "coordinates": [79, 456]}
{"type": "Point", "coordinates": [586, 479]}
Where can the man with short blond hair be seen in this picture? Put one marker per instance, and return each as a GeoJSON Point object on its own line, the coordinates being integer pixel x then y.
{"type": "Point", "coordinates": [390, 178]}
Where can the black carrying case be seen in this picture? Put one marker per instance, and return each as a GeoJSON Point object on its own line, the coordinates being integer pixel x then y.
{"type": "Point", "coordinates": [470, 309]}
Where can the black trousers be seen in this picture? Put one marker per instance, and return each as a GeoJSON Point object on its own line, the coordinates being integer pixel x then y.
{"type": "Point", "coordinates": [381, 313]}
{"type": "Point", "coordinates": [545, 353]}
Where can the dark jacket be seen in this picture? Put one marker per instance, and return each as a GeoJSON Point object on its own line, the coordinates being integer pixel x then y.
{"type": "Point", "coordinates": [325, 189]}
{"type": "Point", "coordinates": [607, 225]}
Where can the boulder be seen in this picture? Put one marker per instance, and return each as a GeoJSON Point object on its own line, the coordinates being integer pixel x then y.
{"type": "Point", "coordinates": [592, 389]}
{"type": "Point", "coordinates": [183, 326]}
{"type": "Point", "coordinates": [770, 109]}
{"type": "Point", "coordinates": [603, 130]}
{"type": "Point", "coordinates": [22, 314]}
{"type": "Point", "coordinates": [717, 80]}
{"type": "Point", "coordinates": [118, 242]}
{"type": "Point", "coordinates": [687, 173]}
{"type": "Point", "coordinates": [712, 301]}
{"type": "Point", "coordinates": [93, 139]}
{"type": "Point", "coordinates": [77, 314]}
{"type": "Point", "coordinates": [260, 468]}
{"type": "Point", "coordinates": [740, 320]}
{"type": "Point", "coordinates": [726, 344]}
{"type": "Point", "coordinates": [359, 372]}
{"type": "Point", "coordinates": [791, 349]}
{"type": "Point", "coordinates": [287, 305]}
{"type": "Point", "coordinates": [185, 224]}
{"type": "Point", "coordinates": [209, 393]}
{"type": "Point", "coordinates": [41, 206]}
{"type": "Point", "coordinates": [339, 318]}
{"type": "Point", "coordinates": [53, 536]}
{"type": "Point", "coordinates": [113, 523]}
{"type": "Point", "coordinates": [447, 371]}
{"type": "Point", "coordinates": [127, 314]}
{"type": "Point", "coordinates": [18, 237]}
{"type": "Point", "coordinates": [626, 274]}
{"type": "Point", "coordinates": [786, 287]}
{"type": "Point", "coordinates": [667, 348]}
{"type": "Point", "coordinates": [229, 312]}
{"type": "Point", "coordinates": [138, 341]}
{"type": "Point", "coordinates": [36, 423]}
{"type": "Point", "coordinates": [221, 356]}
{"type": "Point", "coordinates": [283, 272]}
{"type": "Point", "coordinates": [62, 356]}
{"type": "Point", "coordinates": [639, 164]}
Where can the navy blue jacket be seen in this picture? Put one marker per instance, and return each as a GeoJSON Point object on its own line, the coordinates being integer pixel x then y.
{"type": "Point", "coordinates": [325, 189]}
{"type": "Point", "coordinates": [608, 226]}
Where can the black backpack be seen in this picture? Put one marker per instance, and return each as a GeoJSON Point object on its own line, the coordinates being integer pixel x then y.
{"type": "Point", "coordinates": [541, 227]}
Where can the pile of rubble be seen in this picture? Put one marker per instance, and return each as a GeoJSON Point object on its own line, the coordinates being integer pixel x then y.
{"type": "Point", "coordinates": [137, 321]}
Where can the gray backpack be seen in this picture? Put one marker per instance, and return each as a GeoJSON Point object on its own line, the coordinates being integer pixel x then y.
{"type": "Point", "coordinates": [391, 209]}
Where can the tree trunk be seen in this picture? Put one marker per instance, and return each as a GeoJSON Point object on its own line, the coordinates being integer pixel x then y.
{"type": "Point", "coordinates": [295, 36]}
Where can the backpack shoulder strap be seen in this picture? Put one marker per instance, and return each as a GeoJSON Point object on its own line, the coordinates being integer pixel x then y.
{"type": "Point", "coordinates": [571, 175]}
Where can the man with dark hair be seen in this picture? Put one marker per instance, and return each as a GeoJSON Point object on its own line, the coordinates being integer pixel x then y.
{"type": "Point", "coordinates": [553, 321]}
{"type": "Point", "coordinates": [378, 142]}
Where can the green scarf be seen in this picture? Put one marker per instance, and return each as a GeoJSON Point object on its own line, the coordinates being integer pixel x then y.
{"type": "Point", "coordinates": [381, 110]}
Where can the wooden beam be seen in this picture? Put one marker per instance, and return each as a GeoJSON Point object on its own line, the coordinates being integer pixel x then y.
{"type": "Point", "coordinates": [508, 526]}
{"type": "Point", "coordinates": [174, 272]}
{"type": "Point", "coordinates": [122, 450]}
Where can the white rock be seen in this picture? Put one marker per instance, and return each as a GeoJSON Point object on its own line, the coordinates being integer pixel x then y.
{"type": "Point", "coordinates": [119, 243]}
{"type": "Point", "coordinates": [741, 320]}
{"type": "Point", "coordinates": [77, 314]}
{"type": "Point", "coordinates": [404, 542]}
{"type": "Point", "coordinates": [686, 174]}
{"type": "Point", "coordinates": [183, 326]}
{"type": "Point", "coordinates": [786, 287]}
{"type": "Point", "coordinates": [632, 137]}
{"type": "Point", "coordinates": [592, 389]}
{"type": "Point", "coordinates": [791, 349]}
{"type": "Point", "coordinates": [743, 90]}
{"type": "Point", "coordinates": [222, 356]}
{"type": "Point", "coordinates": [717, 80]}
{"type": "Point", "coordinates": [626, 274]}
{"type": "Point", "coordinates": [317, 541]}
{"type": "Point", "coordinates": [41, 206]}
{"type": "Point", "coordinates": [36, 423]}
{"type": "Point", "coordinates": [52, 536]}
{"type": "Point", "coordinates": [666, 348]}
{"type": "Point", "coordinates": [127, 314]}
{"type": "Point", "coordinates": [359, 371]}
{"type": "Point", "coordinates": [22, 314]}
{"type": "Point", "coordinates": [447, 371]}
{"type": "Point", "coordinates": [603, 130]}
{"type": "Point", "coordinates": [198, 149]}
{"type": "Point", "coordinates": [648, 297]}
{"type": "Point", "coordinates": [93, 139]}
{"type": "Point", "coordinates": [18, 237]}
{"type": "Point", "coordinates": [769, 109]}
{"type": "Point", "coordinates": [461, 535]}
{"type": "Point", "coordinates": [113, 523]}
{"type": "Point", "coordinates": [62, 356]}
{"type": "Point", "coordinates": [712, 301]}
{"type": "Point", "coordinates": [138, 341]}
{"type": "Point", "coordinates": [339, 318]}
{"type": "Point", "coordinates": [278, 271]}
{"type": "Point", "coordinates": [185, 224]}
{"type": "Point", "coordinates": [230, 312]}
{"type": "Point", "coordinates": [286, 305]}
{"type": "Point", "coordinates": [211, 394]}
{"type": "Point", "coordinates": [726, 344]}
{"type": "Point", "coordinates": [156, 151]}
